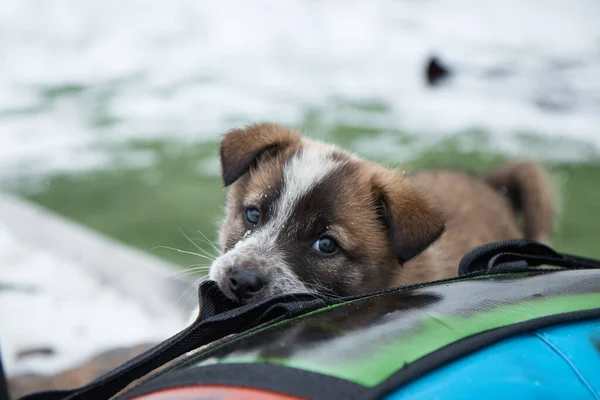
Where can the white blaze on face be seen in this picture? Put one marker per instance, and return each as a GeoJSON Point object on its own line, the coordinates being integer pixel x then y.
{"type": "Point", "coordinates": [302, 173]}
{"type": "Point", "coordinates": [305, 170]}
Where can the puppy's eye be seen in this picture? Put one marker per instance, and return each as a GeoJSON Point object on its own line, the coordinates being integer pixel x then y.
{"type": "Point", "coordinates": [325, 244]}
{"type": "Point", "coordinates": [252, 215]}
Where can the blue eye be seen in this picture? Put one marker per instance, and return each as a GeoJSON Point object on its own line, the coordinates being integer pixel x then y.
{"type": "Point", "coordinates": [252, 215]}
{"type": "Point", "coordinates": [326, 245]}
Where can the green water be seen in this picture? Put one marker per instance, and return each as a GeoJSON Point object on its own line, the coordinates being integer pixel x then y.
{"type": "Point", "coordinates": [181, 193]}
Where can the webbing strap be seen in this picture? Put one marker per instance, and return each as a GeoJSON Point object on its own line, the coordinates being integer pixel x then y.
{"type": "Point", "coordinates": [219, 317]}
{"type": "Point", "coordinates": [518, 256]}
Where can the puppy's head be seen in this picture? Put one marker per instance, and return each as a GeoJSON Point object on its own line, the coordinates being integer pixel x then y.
{"type": "Point", "coordinates": [304, 216]}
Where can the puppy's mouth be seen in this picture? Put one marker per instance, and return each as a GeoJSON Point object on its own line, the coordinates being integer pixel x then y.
{"type": "Point", "coordinates": [246, 281]}
{"type": "Point", "coordinates": [265, 293]}
{"type": "Point", "coordinates": [241, 300]}
{"type": "Point", "coordinates": [243, 285]}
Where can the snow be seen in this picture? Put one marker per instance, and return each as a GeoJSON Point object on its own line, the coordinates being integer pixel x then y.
{"type": "Point", "coordinates": [56, 304]}
{"type": "Point", "coordinates": [65, 288]}
{"type": "Point", "coordinates": [191, 70]}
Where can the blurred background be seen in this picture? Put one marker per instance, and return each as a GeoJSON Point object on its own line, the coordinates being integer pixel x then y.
{"type": "Point", "coordinates": [111, 111]}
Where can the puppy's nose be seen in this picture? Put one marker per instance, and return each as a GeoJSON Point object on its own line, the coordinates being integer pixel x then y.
{"type": "Point", "coordinates": [244, 283]}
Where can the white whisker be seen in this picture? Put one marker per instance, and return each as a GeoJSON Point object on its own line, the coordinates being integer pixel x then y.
{"type": "Point", "coordinates": [319, 288]}
{"type": "Point", "coordinates": [196, 245]}
{"type": "Point", "coordinates": [204, 250]}
{"type": "Point", "coordinates": [192, 287]}
{"type": "Point", "coordinates": [193, 271]}
{"type": "Point", "coordinates": [189, 270]}
{"type": "Point", "coordinates": [210, 243]}
{"type": "Point", "coordinates": [183, 251]}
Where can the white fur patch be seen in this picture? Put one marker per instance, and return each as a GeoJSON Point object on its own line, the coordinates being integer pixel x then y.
{"type": "Point", "coordinates": [303, 172]}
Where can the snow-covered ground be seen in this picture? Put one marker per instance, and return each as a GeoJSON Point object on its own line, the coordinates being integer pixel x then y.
{"type": "Point", "coordinates": [78, 74]}
{"type": "Point", "coordinates": [74, 292]}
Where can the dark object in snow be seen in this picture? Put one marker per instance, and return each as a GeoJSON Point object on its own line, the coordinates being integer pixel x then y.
{"type": "Point", "coordinates": [436, 71]}
{"type": "Point", "coordinates": [3, 383]}
{"type": "Point", "coordinates": [35, 351]}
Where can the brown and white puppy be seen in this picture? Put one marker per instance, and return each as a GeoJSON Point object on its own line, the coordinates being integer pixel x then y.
{"type": "Point", "coordinates": [305, 216]}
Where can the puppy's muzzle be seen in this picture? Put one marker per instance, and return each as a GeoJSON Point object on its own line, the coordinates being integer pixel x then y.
{"type": "Point", "coordinates": [244, 283]}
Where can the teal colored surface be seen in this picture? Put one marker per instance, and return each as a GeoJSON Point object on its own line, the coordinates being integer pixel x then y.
{"type": "Point", "coordinates": [580, 347]}
{"type": "Point", "coordinates": [562, 362]}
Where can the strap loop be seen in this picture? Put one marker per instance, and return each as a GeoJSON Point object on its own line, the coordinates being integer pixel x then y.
{"type": "Point", "coordinates": [518, 255]}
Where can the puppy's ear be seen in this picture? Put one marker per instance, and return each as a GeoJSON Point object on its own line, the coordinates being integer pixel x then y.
{"type": "Point", "coordinates": [414, 219]}
{"type": "Point", "coordinates": [241, 148]}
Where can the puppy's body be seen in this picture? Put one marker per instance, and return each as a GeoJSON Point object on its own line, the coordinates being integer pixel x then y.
{"type": "Point", "coordinates": [480, 211]}
{"type": "Point", "coordinates": [304, 216]}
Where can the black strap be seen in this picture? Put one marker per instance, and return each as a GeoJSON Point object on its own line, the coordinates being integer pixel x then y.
{"type": "Point", "coordinates": [3, 382]}
{"type": "Point", "coordinates": [276, 378]}
{"type": "Point", "coordinates": [518, 255]}
{"type": "Point", "coordinates": [219, 317]}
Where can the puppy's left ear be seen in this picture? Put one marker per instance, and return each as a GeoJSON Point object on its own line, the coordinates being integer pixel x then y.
{"type": "Point", "coordinates": [242, 148]}
{"type": "Point", "coordinates": [414, 219]}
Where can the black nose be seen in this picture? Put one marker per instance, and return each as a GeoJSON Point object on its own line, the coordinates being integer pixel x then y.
{"type": "Point", "coordinates": [244, 283]}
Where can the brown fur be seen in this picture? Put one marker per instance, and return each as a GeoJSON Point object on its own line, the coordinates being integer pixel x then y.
{"type": "Point", "coordinates": [529, 190]}
{"type": "Point", "coordinates": [379, 217]}
{"type": "Point", "coordinates": [481, 211]}
{"type": "Point", "coordinates": [241, 148]}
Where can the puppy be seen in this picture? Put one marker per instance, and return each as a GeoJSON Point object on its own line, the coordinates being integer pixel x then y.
{"type": "Point", "coordinates": [305, 216]}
